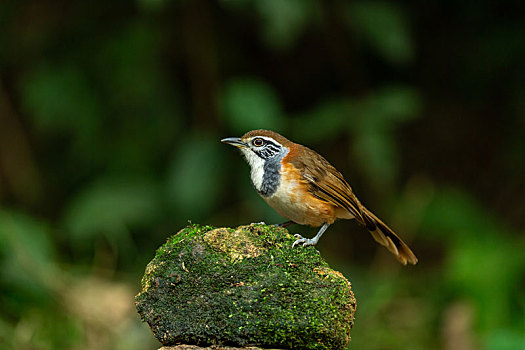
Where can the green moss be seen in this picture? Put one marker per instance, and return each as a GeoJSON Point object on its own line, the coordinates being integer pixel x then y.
{"type": "Point", "coordinates": [245, 286]}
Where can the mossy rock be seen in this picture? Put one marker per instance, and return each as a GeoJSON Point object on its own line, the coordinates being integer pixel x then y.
{"type": "Point", "coordinates": [214, 347]}
{"type": "Point", "coordinates": [245, 286]}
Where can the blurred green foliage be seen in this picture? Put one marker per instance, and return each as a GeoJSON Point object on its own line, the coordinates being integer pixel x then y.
{"type": "Point", "coordinates": [110, 121]}
{"type": "Point", "coordinates": [251, 104]}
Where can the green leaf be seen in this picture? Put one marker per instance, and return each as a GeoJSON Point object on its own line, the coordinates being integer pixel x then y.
{"type": "Point", "coordinates": [505, 339]}
{"type": "Point", "coordinates": [455, 215]}
{"type": "Point", "coordinates": [128, 62]}
{"type": "Point", "coordinates": [59, 98]}
{"type": "Point", "coordinates": [383, 26]}
{"type": "Point", "coordinates": [374, 119]}
{"type": "Point", "coordinates": [327, 120]}
{"type": "Point", "coordinates": [387, 107]}
{"type": "Point", "coordinates": [397, 103]}
{"type": "Point", "coordinates": [284, 21]}
{"type": "Point", "coordinates": [27, 256]}
{"type": "Point", "coordinates": [484, 261]}
{"type": "Point", "coordinates": [153, 5]}
{"type": "Point", "coordinates": [251, 104]}
{"type": "Point", "coordinates": [377, 154]}
{"type": "Point", "coordinates": [111, 205]}
{"type": "Point", "coordinates": [195, 177]}
{"type": "Point", "coordinates": [486, 270]}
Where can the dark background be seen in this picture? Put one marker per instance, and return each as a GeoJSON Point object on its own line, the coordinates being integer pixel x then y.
{"type": "Point", "coordinates": [111, 114]}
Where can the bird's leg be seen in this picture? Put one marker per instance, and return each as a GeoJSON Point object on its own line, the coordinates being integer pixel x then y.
{"type": "Point", "coordinates": [285, 224]}
{"type": "Point", "coordinates": [310, 241]}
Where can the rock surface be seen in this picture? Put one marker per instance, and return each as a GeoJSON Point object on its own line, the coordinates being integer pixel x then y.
{"type": "Point", "coordinates": [244, 287]}
{"type": "Point", "coordinates": [195, 347]}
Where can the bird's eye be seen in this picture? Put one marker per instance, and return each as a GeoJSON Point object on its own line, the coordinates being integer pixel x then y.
{"type": "Point", "coordinates": [258, 142]}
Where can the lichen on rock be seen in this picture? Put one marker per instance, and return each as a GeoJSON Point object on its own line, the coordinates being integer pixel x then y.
{"type": "Point", "coordinates": [245, 286]}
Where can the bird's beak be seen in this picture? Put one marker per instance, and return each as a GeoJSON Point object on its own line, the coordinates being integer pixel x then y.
{"type": "Point", "coordinates": [234, 141]}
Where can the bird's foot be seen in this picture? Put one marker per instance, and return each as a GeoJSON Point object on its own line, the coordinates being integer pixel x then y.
{"type": "Point", "coordinates": [303, 241]}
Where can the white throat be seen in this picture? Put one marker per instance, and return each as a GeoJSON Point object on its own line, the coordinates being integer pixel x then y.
{"type": "Point", "coordinates": [257, 168]}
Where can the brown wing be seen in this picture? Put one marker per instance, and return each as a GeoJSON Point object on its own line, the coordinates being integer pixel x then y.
{"type": "Point", "coordinates": [326, 183]}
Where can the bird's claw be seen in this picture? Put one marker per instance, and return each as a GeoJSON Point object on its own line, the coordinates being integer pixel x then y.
{"type": "Point", "coordinates": [303, 241]}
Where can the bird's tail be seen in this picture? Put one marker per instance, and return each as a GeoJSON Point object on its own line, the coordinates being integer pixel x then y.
{"type": "Point", "coordinates": [386, 237]}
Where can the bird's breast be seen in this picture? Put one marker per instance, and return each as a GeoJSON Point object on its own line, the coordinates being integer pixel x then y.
{"type": "Point", "coordinates": [291, 199]}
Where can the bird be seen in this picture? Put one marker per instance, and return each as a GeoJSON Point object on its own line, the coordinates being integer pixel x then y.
{"type": "Point", "coordinates": [302, 186]}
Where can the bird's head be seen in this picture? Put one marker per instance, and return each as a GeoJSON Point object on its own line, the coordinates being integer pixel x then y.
{"type": "Point", "coordinates": [263, 150]}
{"type": "Point", "coordinates": [259, 146]}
